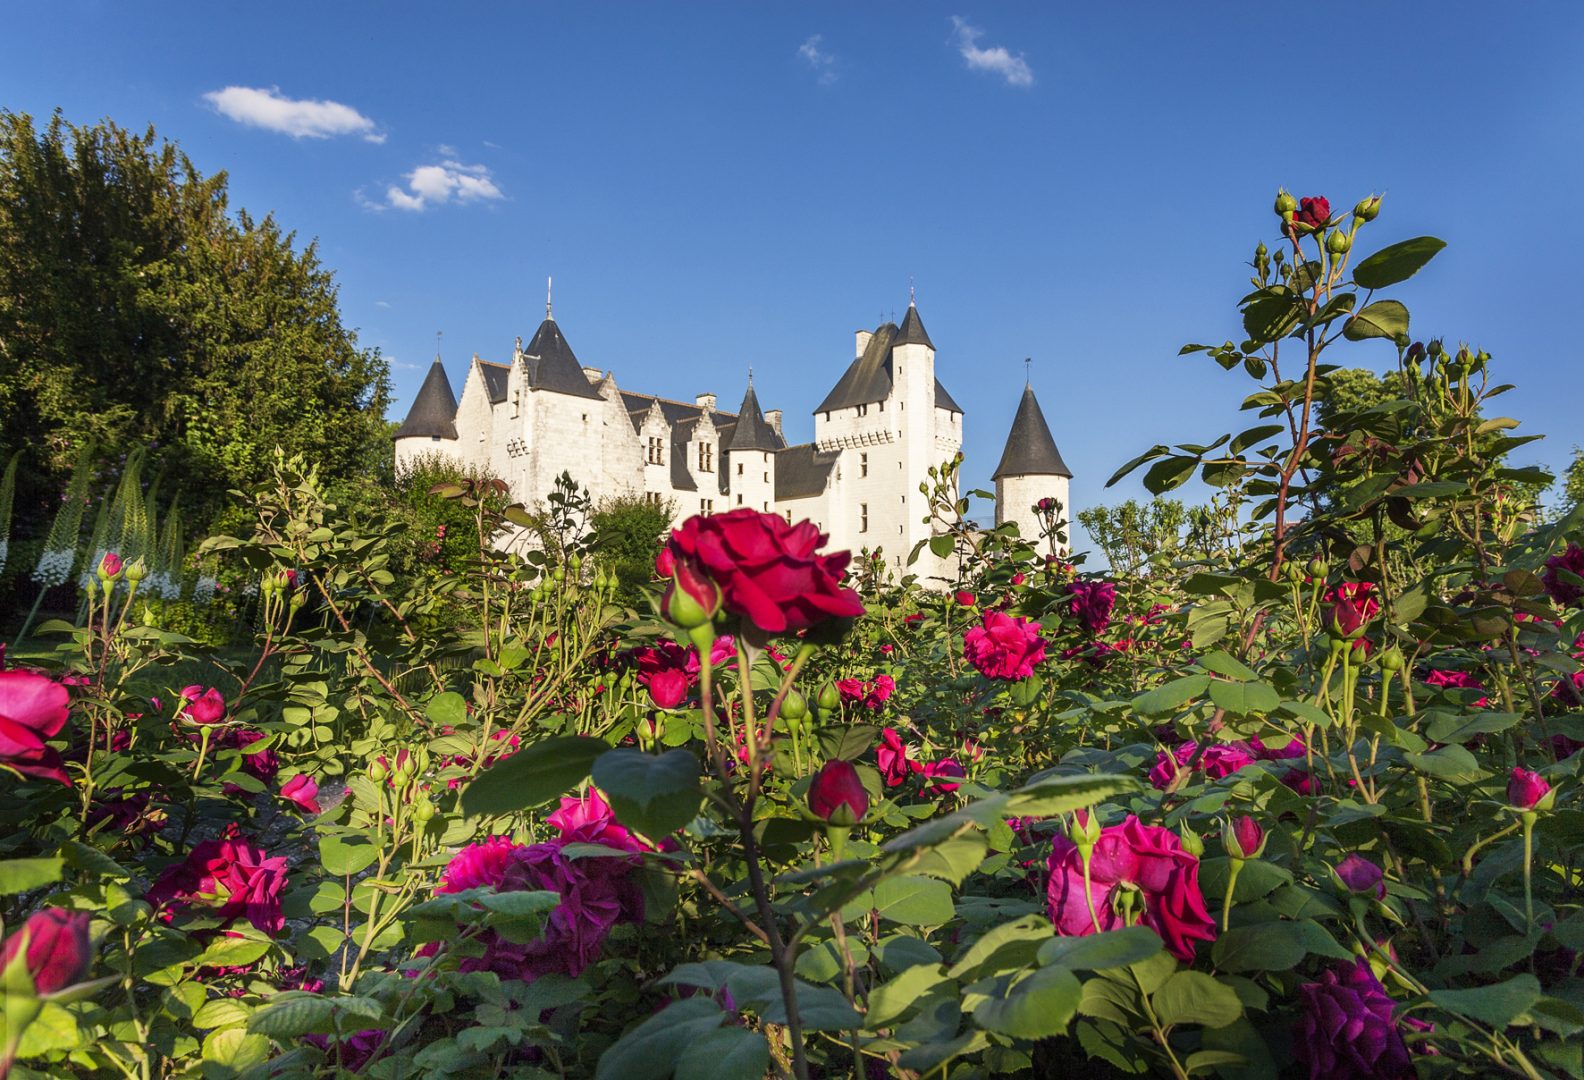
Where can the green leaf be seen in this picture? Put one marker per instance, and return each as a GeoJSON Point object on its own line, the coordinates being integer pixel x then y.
{"type": "Point", "coordinates": [1461, 727]}
{"type": "Point", "coordinates": [1003, 948]}
{"type": "Point", "coordinates": [909, 900]}
{"type": "Point", "coordinates": [235, 1049]}
{"type": "Point", "coordinates": [1097, 952]}
{"type": "Point", "coordinates": [1035, 1007]}
{"type": "Point", "coordinates": [1046, 795]}
{"type": "Point", "coordinates": [343, 856]}
{"type": "Point", "coordinates": [294, 1013]}
{"type": "Point", "coordinates": [1192, 997]}
{"type": "Point", "coordinates": [1382, 319]}
{"type": "Point", "coordinates": [656, 795]}
{"type": "Point", "coordinates": [1497, 1005]}
{"type": "Point", "coordinates": [20, 875]}
{"type": "Point", "coordinates": [728, 1053]}
{"type": "Point", "coordinates": [1272, 946]}
{"type": "Point", "coordinates": [1163, 476]}
{"type": "Point", "coordinates": [1169, 697]}
{"type": "Point", "coordinates": [1272, 314]}
{"type": "Point", "coordinates": [941, 546]}
{"type": "Point", "coordinates": [651, 1050]}
{"type": "Point", "coordinates": [448, 709]}
{"type": "Point", "coordinates": [1451, 763]}
{"type": "Point", "coordinates": [533, 775]}
{"type": "Point", "coordinates": [1399, 262]}
{"type": "Point", "coordinates": [1228, 666]}
{"type": "Point", "coordinates": [1244, 698]}
{"type": "Point", "coordinates": [1149, 455]}
{"type": "Point", "coordinates": [891, 1000]}
{"type": "Point", "coordinates": [232, 952]}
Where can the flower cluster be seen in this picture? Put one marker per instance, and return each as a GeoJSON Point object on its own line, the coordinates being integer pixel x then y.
{"type": "Point", "coordinates": [226, 879]}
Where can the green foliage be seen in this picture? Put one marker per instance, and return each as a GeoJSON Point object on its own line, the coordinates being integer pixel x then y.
{"type": "Point", "coordinates": [626, 532]}
{"type": "Point", "coordinates": [136, 310]}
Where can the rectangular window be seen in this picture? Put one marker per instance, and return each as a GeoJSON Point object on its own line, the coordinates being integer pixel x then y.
{"type": "Point", "coordinates": [706, 457]}
{"type": "Point", "coordinates": [863, 464]}
{"type": "Point", "coordinates": [863, 517]}
{"type": "Point", "coordinates": [739, 500]}
{"type": "Point", "coordinates": [706, 506]}
{"type": "Point", "coordinates": [656, 451]}
{"type": "Point", "coordinates": [739, 468]}
{"type": "Point", "coordinates": [652, 498]}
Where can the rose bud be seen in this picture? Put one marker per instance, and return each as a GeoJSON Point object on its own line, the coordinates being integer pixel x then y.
{"type": "Point", "coordinates": [667, 687]}
{"type": "Point", "coordinates": [1313, 213]}
{"type": "Point", "coordinates": [794, 707]}
{"type": "Point", "coordinates": [110, 566]}
{"type": "Point", "coordinates": [692, 599]}
{"type": "Point", "coordinates": [837, 795]}
{"type": "Point", "coordinates": [1392, 659]}
{"type": "Point", "coordinates": [136, 572]}
{"type": "Point", "coordinates": [1338, 243]}
{"type": "Point", "coordinates": [965, 598]}
{"type": "Point", "coordinates": [1285, 203]}
{"type": "Point", "coordinates": [1361, 877]}
{"type": "Point", "coordinates": [1243, 838]}
{"type": "Point", "coordinates": [665, 563]}
{"type": "Point", "coordinates": [1083, 829]}
{"type": "Point", "coordinates": [1367, 209]}
{"type": "Point", "coordinates": [829, 697]}
{"type": "Point", "coordinates": [1529, 791]}
{"type": "Point", "coordinates": [58, 952]}
{"type": "Point", "coordinates": [1192, 842]}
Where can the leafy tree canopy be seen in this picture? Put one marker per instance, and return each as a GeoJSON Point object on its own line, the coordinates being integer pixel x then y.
{"type": "Point", "coordinates": [137, 310]}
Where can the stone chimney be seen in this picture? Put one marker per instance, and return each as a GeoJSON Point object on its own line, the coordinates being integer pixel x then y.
{"type": "Point", "coordinates": [863, 342]}
{"type": "Point", "coordinates": [706, 402]}
{"type": "Point", "coordinates": [773, 418]}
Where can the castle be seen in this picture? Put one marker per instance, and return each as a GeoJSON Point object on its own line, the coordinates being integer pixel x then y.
{"type": "Point", "coordinates": [884, 424]}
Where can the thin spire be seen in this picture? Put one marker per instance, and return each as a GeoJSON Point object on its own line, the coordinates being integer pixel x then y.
{"type": "Point", "coordinates": [548, 314]}
{"type": "Point", "coordinates": [439, 334]}
{"type": "Point", "coordinates": [912, 292]}
{"type": "Point", "coordinates": [1028, 371]}
{"type": "Point", "coordinates": [750, 375]}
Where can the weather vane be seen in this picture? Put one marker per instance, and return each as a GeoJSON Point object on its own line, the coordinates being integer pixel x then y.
{"type": "Point", "coordinates": [1028, 371]}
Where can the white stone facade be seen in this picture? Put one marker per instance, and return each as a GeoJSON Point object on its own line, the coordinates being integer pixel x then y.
{"type": "Point", "coordinates": [876, 436]}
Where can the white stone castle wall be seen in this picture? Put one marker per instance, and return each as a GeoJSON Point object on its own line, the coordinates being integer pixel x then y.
{"type": "Point", "coordinates": [1016, 497]}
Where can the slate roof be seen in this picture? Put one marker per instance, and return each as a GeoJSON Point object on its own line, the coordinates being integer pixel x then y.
{"type": "Point", "coordinates": [751, 431]}
{"type": "Point", "coordinates": [675, 412]}
{"type": "Point", "coordinates": [494, 379]}
{"type": "Point", "coordinates": [943, 400]}
{"type": "Point", "coordinates": [1030, 450]}
{"type": "Point", "coordinates": [801, 472]}
{"type": "Point", "coordinates": [868, 379]}
{"type": "Point", "coordinates": [552, 365]}
{"type": "Point", "coordinates": [912, 331]}
{"type": "Point", "coordinates": [433, 412]}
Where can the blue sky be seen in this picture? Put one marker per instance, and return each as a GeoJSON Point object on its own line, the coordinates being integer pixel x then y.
{"type": "Point", "coordinates": [719, 186]}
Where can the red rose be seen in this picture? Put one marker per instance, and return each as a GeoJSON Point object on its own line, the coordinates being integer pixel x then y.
{"type": "Point", "coordinates": [110, 565]}
{"type": "Point", "coordinates": [1004, 646]}
{"type": "Point", "coordinates": [58, 952]}
{"type": "Point", "coordinates": [1527, 790]}
{"type": "Point", "coordinates": [301, 790]}
{"type": "Point", "coordinates": [965, 598]}
{"type": "Point", "coordinates": [767, 570]}
{"type": "Point", "coordinates": [892, 757]}
{"type": "Point", "coordinates": [32, 709]}
{"type": "Point", "coordinates": [1313, 212]}
{"type": "Point", "coordinates": [227, 878]}
{"type": "Point", "coordinates": [942, 773]}
{"type": "Point", "coordinates": [1349, 608]}
{"type": "Point", "coordinates": [837, 795]}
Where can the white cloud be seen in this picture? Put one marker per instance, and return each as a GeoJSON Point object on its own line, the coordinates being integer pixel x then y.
{"type": "Point", "coordinates": [431, 185]}
{"type": "Point", "coordinates": [822, 62]}
{"type": "Point", "coordinates": [382, 303]}
{"type": "Point", "coordinates": [299, 118]}
{"type": "Point", "coordinates": [997, 60]}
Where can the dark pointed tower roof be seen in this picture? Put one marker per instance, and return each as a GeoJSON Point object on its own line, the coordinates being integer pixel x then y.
{"type": "Point", "coordinates": [433, 412]}
{"type": "Point", "coordinates": [1030, 450]}
{"type": "Point", "coordinates": [912, 331]}
{"type": "Point", "coordinates": [869, 377]}
{"type": "Point", "coordinates": [752, 431]}
{"type": "Point", "coordinates": [552, 365]}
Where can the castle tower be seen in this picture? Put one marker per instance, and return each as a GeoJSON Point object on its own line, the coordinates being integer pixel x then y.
{"type": "Point", "coordinates": [913, 388]}
{"type": "Point", "coordinates": [749, 456]}
{"type": "Point", "coordinates": [1031, 469]}
{"type": "Point", "coordinates": [430, 427]}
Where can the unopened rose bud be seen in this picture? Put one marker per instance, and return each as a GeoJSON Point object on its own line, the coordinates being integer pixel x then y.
{"type": "Point", "coordinates": [1317, 568]}
{"type": "Point", "coordinates": [423, 810]}
{"type": "Point", "coordinates": [1083, 829]}
{"type": "Point", "coordinates": [1529, 791]}
{"type": "Point", "coordinates": [793, 707]}
{"type": "Point", "coordinates": [1192, 842]}
{"type": "Point", "coordinates": [692, 599]}
{"type": "Point", "coordinates": [136, 572]}
{"type": "Point", "coordinates": [110, 566]}
{"type": "Point", "coordinates": [1285, 203]}
{"type": "Point", "coordinates": [1361, 877]}
{"type": "Point", "coordinates": [377, 771]}
{"type": "Point", "coordinates": [1243, 838]}
{"type": "Point", "coordinates": [1391, 660]}
{"type": "Point", "coordinates": [829, 697]}
{"type": "Point", "coordinates": [1367, 209]}
{"type": "Point", "coordinates": [837, 795]}
{"type": "Point", "coordinates": [1338, 243]}
{"type": "Point", "coordinates": [59, 953]}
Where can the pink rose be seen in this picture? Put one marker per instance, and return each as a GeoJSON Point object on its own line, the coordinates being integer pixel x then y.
{"type": "Point", "coordinates": [1527, 790]}
{"type": "Point", "coordinates": [1221, 759]}
{"type": "Point", "coordinates": [110, 566]}
{"type": "Point", "coordinates": [1131, 863]}
{"type": "Point", "coordinates": [892, 757]}
{"type": "Point", "coordinates": [32, 709]}
{"type": "Point", "coordinates": [1004, 646]}
{"type": "Point", "coordinates": [228, 878]}
{"type": "Point", "coordinates": [58, 951]}
{"type": "Point", "coordinates": [948, 768]}
{"type": "Point", "coordinates": [202, 706]}
{"type": "Point", "coordinates": [302, 790]}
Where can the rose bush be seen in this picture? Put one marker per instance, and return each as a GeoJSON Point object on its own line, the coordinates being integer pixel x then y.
{"type": "Point", "coordinates": [1298, 798]}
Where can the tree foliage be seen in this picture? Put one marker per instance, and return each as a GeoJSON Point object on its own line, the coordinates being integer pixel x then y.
{"type": "Point", "coordinates": [627, 531]}
{"type": "Point", "coordinates": [137, 310]}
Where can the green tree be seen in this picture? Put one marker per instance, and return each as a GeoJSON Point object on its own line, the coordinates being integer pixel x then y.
{"type": "Point", "coordinates": [627, 531]}
{"type": "Point", "coordinates": [1573, 483]}
{"type": "Point", "coordinates": [1130, 532]}
{"type": "Point", "coordinates": [137, 310]}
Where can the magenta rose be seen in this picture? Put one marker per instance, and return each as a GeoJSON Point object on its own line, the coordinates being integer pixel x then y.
{"type": "Point", "coordinates": [1135, 868]}
{"type": "Point", "coordinates": [837, 795]}
{"type": "Point", "coordinates": [32, 709]}
{"type": "Point", "coordinates": [1348, 1031]}
{"type": "Point", "coordinates": [201, 706]}
{"type": "Point", "coordinates": [1527, 790]}
{"type": "Point", "coordinates": [1562, 574]}
{"type": "Point", "coordinates": [1244, 838]}
{"type": "Point", "coordinates": [302, 790]}
{"type": "Point", "coordinates": [769, 572]}
{"type": "Point", "coordinates": [851, 690]}
{"type": "Point", "coordinates": [1091, 603]}
{"type": "Point", "coordinates": [480, 865]}
{"type": "Point", "coordinates": [879, 692]}
{"type": "Point", "coordinates": [110, 566]}
{"type": "Point", "coordinates": [942, 775]}
{"type": "Point", "coordinates": [590, 820]}
{"type": "Point", "coordinates": [892, 757]}
{"type": "Point", "coordinates": [1361, 877]}
{"type": "Point", "coordinates": [58, 951]}
{"type": "Point", "coordinates": [1004, 646]}
{"type": "Point", "coordinates": [1456, 680]}
{"type": "Point", "coordinates": [229, 878]}
{"type": "Point", "coordinates": [1221, 759]}
{"type": "Point", "coordinates": [1349, 608]}
{"type": "Point", "coordinates": [667, 671]}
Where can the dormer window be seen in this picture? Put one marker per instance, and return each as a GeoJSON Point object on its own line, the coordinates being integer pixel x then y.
{"type": "Point", "coordinates": [706, 457]}
{"type": "Point", "coordinates": [656, 455]}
